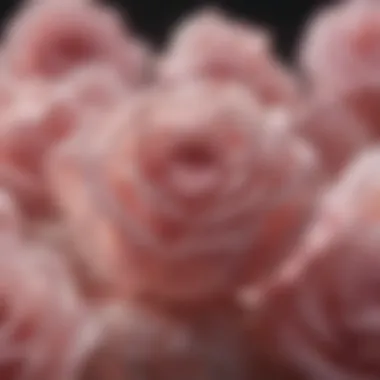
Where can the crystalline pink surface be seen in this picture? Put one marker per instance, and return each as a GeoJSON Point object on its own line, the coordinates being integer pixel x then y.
{"type": "Point", "coordinates": [52, 39]}
{"type": "Point", "coordinates": [213, 46]}
{"type": "Point", "coordinates": [184, 185]}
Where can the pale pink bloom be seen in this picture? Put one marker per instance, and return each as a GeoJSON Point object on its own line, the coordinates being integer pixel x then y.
{"type": "Point", "coordinates": [341, 46]}
{"type": "Point", "coordinates": [340, 55]}
{"type": "Point", "coordinates": [350, 202]}
{"type": "Point", "coordinates": [187, 189]}
{"type": "Point", "coordinates": [46, 331]}
{"type": "Point", "coordinates": [52, 39]}
{"type": "Point", "coordinates": [326, 294]}
{"type": "Point", "coordinates": [213, 46]}
{"type": "Point", "coordinates": [320, 316]}
{"type": "Point", "coordinates": [34, 122]}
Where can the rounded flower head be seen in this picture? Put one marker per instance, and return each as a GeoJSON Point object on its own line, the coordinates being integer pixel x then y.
{"type": "Point", "coordinates": [45, 329]}
{"type": "Point", "coordinates": [350, 203]}
{"type": "Point", "coordinates": [30, 127]}
{"type": "Point", "coordinates": [340, 54]}
{"type": "Point", "coordinates": [52, 39]}
{"type": "Point", "coordinates": [211, 45]}
{"type": "Point", "coordinates": [318, 313]}
{"type": "Point", "coordinates": [187, 188]}
{"type": "Point", "coordinates": [320, 317]}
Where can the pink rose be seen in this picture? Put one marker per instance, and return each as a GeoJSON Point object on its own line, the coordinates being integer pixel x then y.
{"type": "Point", "coordinates": [319, 318]}
{"type": "Point", "coordinates": [317, 315]}
{"type": "Point", "coordinates": [213, 46]}
{"type": "Point", "coordinates": [46, 331]}
{"type": "Point", "coordinates": [33, 123]}
{"type": "Point", "coordinates": [187, 189]}
{"type": "Point", "coordinates": [340, 55]}
{"type": "Point", "coordinates": [52, 39]}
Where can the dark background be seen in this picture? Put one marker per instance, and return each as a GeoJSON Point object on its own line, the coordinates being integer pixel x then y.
{"type": "Point", "coordinates": [285, 17]}
{"type": "Point", "coordinates": [154, 18]}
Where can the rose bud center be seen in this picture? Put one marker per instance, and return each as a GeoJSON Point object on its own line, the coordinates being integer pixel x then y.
{"type": "Point", "coordinates": [194, 168]}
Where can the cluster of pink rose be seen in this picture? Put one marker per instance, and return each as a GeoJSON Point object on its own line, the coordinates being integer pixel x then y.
{"type": "Point", "coordinates": [204, 212]}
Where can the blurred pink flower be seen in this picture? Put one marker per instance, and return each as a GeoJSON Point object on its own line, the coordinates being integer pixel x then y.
{"type": "Point", "coordinates": [316, 316]}
{"type": "Point", "coordinates": [340, 55]}
{"type": "Point", "coordinates": [211, 45]}
{"type": "Point", "coordinates": [187, 188]}
{"type": "Point", "coordinates": [52, 39]}
{"type": "Point", "coordinates": [31, 125]}
{"type": "Point", "coordinates": [46, 331]}
{"type": "Point", "coordinates": [320, 318]}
